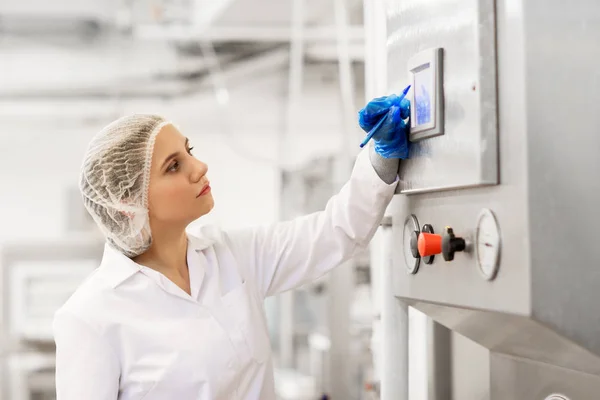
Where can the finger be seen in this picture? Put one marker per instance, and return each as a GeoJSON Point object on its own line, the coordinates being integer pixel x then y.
{"type": "Point", "coordinates": [366, 121]}
{"type": "Point", "coordinates": [394, 114]}
{"type": "Point", "coordinates": [404, 123]}
{"type": "Point", "coordinates": [390, 125]}
{"type": "Point", "coordinates": [380, 105]}
{"type": "Point", "coordinates": [405, 108]}
{"type": "Point", "coordinates": [376, 109]}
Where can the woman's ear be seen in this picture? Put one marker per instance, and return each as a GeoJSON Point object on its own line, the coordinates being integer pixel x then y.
{"type": "Point", "coordinates": [127, 210]}
{"type": "Point", "coordinates": [128, 214]}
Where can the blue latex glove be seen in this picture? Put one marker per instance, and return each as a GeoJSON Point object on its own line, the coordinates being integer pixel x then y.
{"type": "Point", "coordinates": [391, 137]}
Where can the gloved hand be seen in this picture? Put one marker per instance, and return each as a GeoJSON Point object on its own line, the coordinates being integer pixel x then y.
{"type": "Point", "coordinates": [391, 137]}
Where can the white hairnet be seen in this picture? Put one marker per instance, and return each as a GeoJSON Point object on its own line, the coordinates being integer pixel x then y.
{"type": "Point", "coordinates": [114, 180]}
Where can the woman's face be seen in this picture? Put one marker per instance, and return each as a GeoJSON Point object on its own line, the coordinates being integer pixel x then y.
{"type": "Point", "coordinates": [179, 190]}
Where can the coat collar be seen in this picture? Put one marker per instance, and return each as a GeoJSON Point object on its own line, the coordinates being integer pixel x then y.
{"type": "Point", "coordinates": [117, 267]}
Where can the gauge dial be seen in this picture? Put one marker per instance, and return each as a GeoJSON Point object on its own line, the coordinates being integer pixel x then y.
{"type": "Point", "coordinates": [411, 225]}
{"type": "Point", "coordinates": [488, 244]}
{"type": "Point", "coordinates": [556, 397]}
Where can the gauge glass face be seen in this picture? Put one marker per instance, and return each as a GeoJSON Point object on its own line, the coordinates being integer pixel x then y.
{"type": "Point", "coordinates": [487, 242]}
{"type": "Point", "coordinates": [556, 397]}
{"type": "Point", "coordinates": [410, 225]}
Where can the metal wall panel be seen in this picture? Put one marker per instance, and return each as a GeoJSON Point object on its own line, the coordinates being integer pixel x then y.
{"type": "Point", "coordinates": [521, 379]}
{"type": "Point", "coordinates": [460, 283]}
{"type": "Point", "coordinates": [540, 304]}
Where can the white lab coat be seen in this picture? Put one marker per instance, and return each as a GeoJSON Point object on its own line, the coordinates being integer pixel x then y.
{"type": "Point", "coordinates": [129, 333]}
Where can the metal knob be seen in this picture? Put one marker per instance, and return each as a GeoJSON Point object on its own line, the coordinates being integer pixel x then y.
{"type": "Point", "coordinates": [451, 244]}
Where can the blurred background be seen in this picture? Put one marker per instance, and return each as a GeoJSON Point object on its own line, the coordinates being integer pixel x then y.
{"type": "Point", "coordinates": [268, 93]}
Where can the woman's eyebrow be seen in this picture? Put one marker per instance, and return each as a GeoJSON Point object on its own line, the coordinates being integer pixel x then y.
{"type": "Point", "coordinates": [175, 154]}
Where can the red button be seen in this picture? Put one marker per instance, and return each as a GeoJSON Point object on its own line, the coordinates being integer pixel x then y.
{"type": "Point", "coordinates": [429, 244]}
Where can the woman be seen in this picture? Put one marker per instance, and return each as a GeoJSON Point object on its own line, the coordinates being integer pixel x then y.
{"type": "Point", "coordinates": [171, 315]}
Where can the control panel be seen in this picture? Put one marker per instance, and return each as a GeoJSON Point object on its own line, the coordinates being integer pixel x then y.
{"type": "Point", "coordinates": [454, 110]}
{"type": "Point", "coordinates": [427, 113]}
{"type": "Point", "coordinates": [422, 244]}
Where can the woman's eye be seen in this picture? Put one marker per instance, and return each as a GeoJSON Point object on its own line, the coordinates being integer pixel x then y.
{"type": "Point", "coordinates": [173, 167]}
{"type": "Point", "coordinates": [190, 150]}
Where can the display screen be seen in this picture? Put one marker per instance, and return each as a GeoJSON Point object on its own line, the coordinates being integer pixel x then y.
{"type": "Point", "coordinates": [423, 86]}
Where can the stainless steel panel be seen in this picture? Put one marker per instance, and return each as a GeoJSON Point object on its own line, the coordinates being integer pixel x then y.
{"type": "Point", "coordinates": [394, 326]}
{"type": "Point", "coordinates": [24, 357]}
{"type": "Point", "coordinates": [77, 247]}
{"type": "Point", "coordinates": [563, 102]}
{"type": "Point", "coordinates": [466, 155]}
{"type": "Point", "coordinates": [537, 316]}
{"type": "Point", "coordinates": [470, 369]}
{"type": "Point", "coordinates": [513, 335]}
{"type": "Point", "coordinates": [439, 340]}
{"type": "Point", "coordinates": [520, 379]}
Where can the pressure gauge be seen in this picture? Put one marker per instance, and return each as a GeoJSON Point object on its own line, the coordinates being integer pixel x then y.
{"type": "Point", "coordinates": [557, 397]}
{"type": "Point", "coordinates": [412, 260]}
{"type": "Point", "coordinates": [487, 244]}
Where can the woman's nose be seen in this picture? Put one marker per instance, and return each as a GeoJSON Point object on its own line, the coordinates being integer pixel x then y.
{"type": "Point", "coordinates": [200, 169]}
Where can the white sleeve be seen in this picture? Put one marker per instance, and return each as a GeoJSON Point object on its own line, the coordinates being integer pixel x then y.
{"type": "Point", "coordinates": [86, 365]}
{"type": "Point", "coordinates": [286, 255]}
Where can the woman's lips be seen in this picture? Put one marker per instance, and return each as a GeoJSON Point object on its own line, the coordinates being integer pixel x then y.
{"type": "Point", "coordinates": [204, 191]}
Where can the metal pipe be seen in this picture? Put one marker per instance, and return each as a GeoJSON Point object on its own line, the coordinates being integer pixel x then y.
{"type": "Point", "coordinates": [439, 361]}
{"type": "Point", "coordinates": [218, 80]}
{"type": "Point", "coordinates": [161, 86]}
{"type": "Point", "coordinates": [341, 280]}
{"type": "Point", "coordinates": [346, 76]}
{"type": "Point", "coordinates": [247, 33]}
{"type": "Point", "coordinates": [286, 309]}
{"type": "Point", "coordinates": [340, 285]}
{"type": "Point", "coordinates": [296, 57]}
{"type": "Point", "coordinates": [394, 324]}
